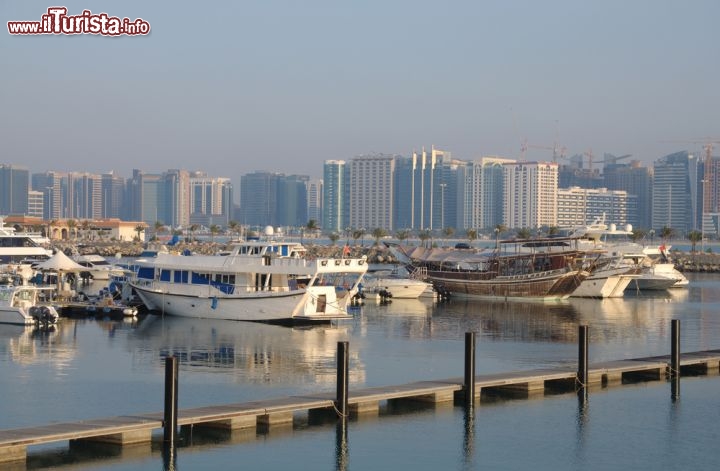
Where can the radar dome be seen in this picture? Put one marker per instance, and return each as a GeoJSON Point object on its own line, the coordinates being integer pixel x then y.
{"type": "Point", "coordinates": [268, 231]}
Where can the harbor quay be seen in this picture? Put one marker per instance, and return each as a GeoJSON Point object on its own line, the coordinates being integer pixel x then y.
{"type": "Point", "coordinates": [267, 415]}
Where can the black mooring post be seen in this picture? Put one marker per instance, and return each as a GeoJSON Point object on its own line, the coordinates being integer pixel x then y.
{"type": "Point", "coordinates": [171, 400]}
{"type": "Point", "coordinates": [341, 403]}
{"type": "Point", "coordinates": [582, 374]}
{"type": "Point", "coordinates": [675, 348]}
{"type": "Point", "coordinates": [469, 368]}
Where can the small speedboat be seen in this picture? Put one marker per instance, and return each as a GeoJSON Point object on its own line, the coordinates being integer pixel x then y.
{"type": "Point", "coordinates": [22, 305]}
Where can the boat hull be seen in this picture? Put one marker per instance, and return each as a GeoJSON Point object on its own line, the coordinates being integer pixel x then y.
{"type": "Point", "coordinates": [399, 288]}
{"type": "Point", "coordinates": [544, 285]}
{"type": "Point", "coordinates": [313, 304]}
{"type": "Point", "coordinates": [612, 286]}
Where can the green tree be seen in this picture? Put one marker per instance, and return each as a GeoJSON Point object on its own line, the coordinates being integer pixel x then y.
{"type": "Point", "coordinates": [378, 233]}
{"type": "Point", "coordinates": [638, 234]}
{"type": "Point", "coordinates": [448, 232]}
{"type": "Point", "coordinates": [523, 233]}
{"type": "Point", "coordinates": [667, 233]}
{"type": "Point", "coordinates": [139, 230]}
{"type": "Point", "coordinates": [72, 227]}
{"type": "Point", "coordinates": [214, 230]}
{"type": "Point", "coordinates": [694, 237]}
{"type": "Point", "coordinates": [234, 227]}
{"type": "Point", "coordinates": [472, 235]}
{"type": "Point", "coordinates": [424, 235]}
{"type": "Point", "coordinates": [333, 236]}
{"type": "Point", "coordinates": [402, 235]}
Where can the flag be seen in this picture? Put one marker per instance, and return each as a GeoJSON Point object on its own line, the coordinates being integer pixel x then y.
{"type": "Point", "coordinates": [346, 250]}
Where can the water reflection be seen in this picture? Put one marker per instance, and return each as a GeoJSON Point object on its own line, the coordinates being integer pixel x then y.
{"type": "Point", "coordinates": [28, 345]}
{"type": "Point", "coordinates": [251, 352]}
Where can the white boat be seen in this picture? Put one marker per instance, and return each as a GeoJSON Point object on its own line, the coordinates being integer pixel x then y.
{"type": "Point", "coordinates": [394, 283]}
{"type": "Point", "coordinates": [258, 280]}
{"type": "Point", "coordinates": [98, 267]}
{"type": "Point", "coordinates": [21, 305]}
{"type": "Point", "coordinates": [16, 247]}
{"type": "Point", "coordinates": [648, 263]}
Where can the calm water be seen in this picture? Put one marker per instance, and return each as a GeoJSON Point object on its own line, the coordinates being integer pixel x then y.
{"type": "Point", "coordinates": [96, 368]}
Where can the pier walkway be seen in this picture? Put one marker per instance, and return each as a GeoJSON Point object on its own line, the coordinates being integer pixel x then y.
{"type": "Point", "coordinates": [134, 429]}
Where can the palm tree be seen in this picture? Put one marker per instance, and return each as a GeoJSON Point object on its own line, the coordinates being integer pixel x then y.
{"type": "Point", "coordinates": [472, 235]}
{"type": "Point", "coordinates": [402, 235]}
{"type": "Point", "coordinates": [448, 232]}
{"type": "Point", "coordinates": [312, 226]}
{"type": "Point", "coordinates": [193, 228]}
{"type": "Point", "coordinates": [234, 227]}
{"type": "Point", "coordinates": [667, 233]}
{"type": "Point", "coordinates": [357, 234]}
{"type": "Point", "coordinates": [424, 235]}
{"type": "Point", "coordinates": [378, 233]}
{"type": "Point", "coordinates": [524, 233]}
{"type": "Point", "coordinates": [139, 229]}
{"type": "Point", "coordinates": [72, 227]}
{"type": "Point", "coordinates": [85, 226]}
{"type": "Point", "coordinates": [694, 237]}
{"type": "Point", "coordinates": [159, 229]}
{"type": "Point", "coordinates": [333, 236]}
{"type": "Point", "coordinates": [214, 230]}
{"type": "Point", "coordinates": [638, 234]}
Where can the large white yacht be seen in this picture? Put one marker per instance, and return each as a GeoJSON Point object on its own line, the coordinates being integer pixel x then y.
{"type": "Point", "coordinates": [16, 247]}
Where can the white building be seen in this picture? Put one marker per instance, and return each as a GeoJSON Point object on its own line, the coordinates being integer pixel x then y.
{"type": "Point", "coordinates": [580, 206]}
{"type": "Point", "coordinates": [483, 192]}
{"type": "Point", "coordinates": [530, 194]}
{"type": "Point", "coordinates": [371, 192]}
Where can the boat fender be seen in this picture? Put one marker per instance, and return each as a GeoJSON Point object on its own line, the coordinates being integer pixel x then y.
{"type": "Point", "coordinates": [214, 303]}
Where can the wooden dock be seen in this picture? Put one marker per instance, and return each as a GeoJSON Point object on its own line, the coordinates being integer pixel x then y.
{"type": "Point", "coordinates": [134, 429]}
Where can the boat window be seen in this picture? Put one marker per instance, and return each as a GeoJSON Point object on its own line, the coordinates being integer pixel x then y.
{"type": "Point", "coordinates": [165, 275]}
{"type": "Point", "coordinates": [180, 276]}
{"type": "Point", "coordinates": [200, 278]}
{"type": "Point", "coordinates": [146, 273]}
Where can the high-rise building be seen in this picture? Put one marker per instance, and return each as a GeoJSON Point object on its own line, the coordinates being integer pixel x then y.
{"type": "Point", "coordinates": [335, 208]}
{"type": "Point", "coordinates": [35, 204]}
{"type": "Point", "coordinates": [371, 192]}
{"type": "Point", "coordinates": [211, 200]}
{"type": "Point", "coordinates": [14, 187]}
{"type": "Point", "coordinates": [292, 202]}
{"type": "Point", "coordinates": [315, 201]}
{"type": "Point", "coordinates": [677, 193]}
{"type": "Point", "coordinates": [175, 198]}
{"type": "Point", "coordinates": [581, 206]}
{"type": "Point", "coordinates": [51, 186]}
{"type": "Point", "coordinates": [483, 193]}
{"type": "Point", "coordinates": [636, 180]}
{"type": "Point", "coordinates": [530, 199]}
{"type": "Point", "coordinates": [113, 196]}
{"type": "Point", "coordinates": [143, 192]}
{"type": "Point", "coordinates": [258, 199]}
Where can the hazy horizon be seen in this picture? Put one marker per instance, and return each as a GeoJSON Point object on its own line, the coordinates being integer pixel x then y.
{"type": "Point", "coordinates": [282, 86]}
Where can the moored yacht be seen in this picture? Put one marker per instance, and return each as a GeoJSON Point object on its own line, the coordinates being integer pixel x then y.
{"type": "Point", "coordinates": [270, 281]}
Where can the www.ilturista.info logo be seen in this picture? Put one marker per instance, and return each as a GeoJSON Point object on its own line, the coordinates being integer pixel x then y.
{"type": "Point", "coordinates": [57, 21]}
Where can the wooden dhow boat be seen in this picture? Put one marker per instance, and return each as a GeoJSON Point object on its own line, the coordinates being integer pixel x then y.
{"type": "Point", "coordinates": [542, 269]}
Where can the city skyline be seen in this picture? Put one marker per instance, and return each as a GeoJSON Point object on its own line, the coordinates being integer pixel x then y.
{"type": "Point", "coordinates": [283, 86]}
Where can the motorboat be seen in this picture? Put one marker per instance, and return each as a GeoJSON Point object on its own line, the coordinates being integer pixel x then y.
{"type": "Point", "coordinates": [259, 280]}
{"type": "Point", "coordinates": [22, 305]}
{"type": "Point", "coordinates": [648, 263]}
{"type": "Point", "coordinates": [98, 267]}
{"type": "Point", "coordinates": [392, 283]}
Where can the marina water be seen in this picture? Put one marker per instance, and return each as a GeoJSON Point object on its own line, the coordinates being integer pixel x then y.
{"type": "Point", "coordinates": [93, 368]}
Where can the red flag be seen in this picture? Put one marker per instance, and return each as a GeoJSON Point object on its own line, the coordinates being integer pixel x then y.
{"type": "Point", "coordinates": [346, 250]}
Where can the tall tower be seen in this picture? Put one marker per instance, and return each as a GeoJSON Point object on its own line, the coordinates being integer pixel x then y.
{"type": "Point", "coordinates": [371, 192]}
{"type": "Point", "coordinates": [335, 196]}
{"type": "Point", "coordinates": [530, 194]}
{"type": "Point", "coordinates": [14, 187]}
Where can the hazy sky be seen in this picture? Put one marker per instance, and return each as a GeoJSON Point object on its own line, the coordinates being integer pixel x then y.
{"type": "Point", "coordinates": [234, 87]}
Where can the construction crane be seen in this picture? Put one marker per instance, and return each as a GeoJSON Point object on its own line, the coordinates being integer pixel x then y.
{"type": "Point", "coordinates": [611, 159]}
{"type": "Point", "coordinates": [556, 150]}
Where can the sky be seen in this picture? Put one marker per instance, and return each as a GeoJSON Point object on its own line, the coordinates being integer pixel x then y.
{"type": "Point", "coordinates": [230, 88]}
